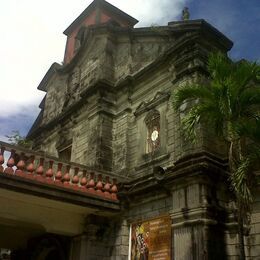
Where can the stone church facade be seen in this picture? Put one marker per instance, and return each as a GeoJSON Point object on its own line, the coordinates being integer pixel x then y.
{"type": "Point", "coordinates": [109, 106]}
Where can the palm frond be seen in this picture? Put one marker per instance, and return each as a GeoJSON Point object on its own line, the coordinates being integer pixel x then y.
{"type": "Point", "coordinates": [249, 127]}
{"type": "Point", "coordinates": [189, 123]}
{"type": "Point", "coordinates": [219, 66]}
{"type": "Point", "coordinates": [244, 74]}
{"type": "Point", "coordinates": [241, 182]}
{"type": "Point", "coordinates": [188, 93]}
{"type": "Point", "coordinates": [207, 114]}
{"type": "Point", "coordinates": [248, 100]}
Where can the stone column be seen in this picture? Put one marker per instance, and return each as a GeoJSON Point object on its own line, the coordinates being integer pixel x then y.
{"type": "Point", "coordinates": [82, 245]}
{"type": "Point", "coordinates": [190, 222]}
{"type": "Point", "coordinates": [121, 245]}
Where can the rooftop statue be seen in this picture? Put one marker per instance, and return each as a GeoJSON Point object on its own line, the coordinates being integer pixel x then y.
{"type": "Point", "coordinates": [185, 14]}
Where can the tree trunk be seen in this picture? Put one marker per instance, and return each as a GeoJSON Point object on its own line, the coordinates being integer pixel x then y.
{"type": "Point", "coordinates": [235, 155]}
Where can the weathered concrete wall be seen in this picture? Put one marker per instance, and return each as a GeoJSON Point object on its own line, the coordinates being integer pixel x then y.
{"type": "Point", "coordinates": [130, 131]}
{"type": "Point", "coordinates": [253, 240]}
{"type": "Point", "coordinates": [197, 228]}
{"type": "Point", "coordinates": [56, 91]}
{"type": "Point", "coordinates": [101, 59]}
{"type": "Point", "coordinates": [196, 231]}
{"type": "Point", "coordinates": [117, 141]}
{"type": "Point", "coordinates": [100, 104]}
{"type": "Point", "coordinates": [251, 231]}
{"type": "Point", "coordinates": [107, 240]}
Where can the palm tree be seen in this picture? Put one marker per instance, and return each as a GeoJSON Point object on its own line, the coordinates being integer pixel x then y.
{"type": "Point", "coordinates": [230, 106]}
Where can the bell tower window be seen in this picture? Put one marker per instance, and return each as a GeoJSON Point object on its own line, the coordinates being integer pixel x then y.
{"type": "Point", "coordinates": [79, 39]}
{"type": "Point", "coordinates": [152, 122]}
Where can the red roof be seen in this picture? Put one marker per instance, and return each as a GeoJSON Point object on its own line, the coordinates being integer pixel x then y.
{"type": "Point", "coordinates": [104, 6]}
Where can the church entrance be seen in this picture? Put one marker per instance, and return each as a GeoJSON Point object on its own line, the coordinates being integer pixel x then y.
{"type": "Point", "coordinates": [50, 247]}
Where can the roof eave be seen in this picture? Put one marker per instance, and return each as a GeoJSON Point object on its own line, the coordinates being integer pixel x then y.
{"type": "Point", "coordinates": [48, 75]}
{"type": "Point", "coordinates": [201, 24]}
{"type": "Point", "coordinates": [91, 7]}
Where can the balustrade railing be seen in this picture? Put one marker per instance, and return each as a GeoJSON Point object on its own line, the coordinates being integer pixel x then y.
{"type": "Point", "coordinates": [41, 168]}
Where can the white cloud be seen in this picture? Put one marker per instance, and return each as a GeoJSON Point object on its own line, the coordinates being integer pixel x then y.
{"type": "Point", "coordinates": [32, 39]}
{"type": "Point", "coordinates": [151, 11]}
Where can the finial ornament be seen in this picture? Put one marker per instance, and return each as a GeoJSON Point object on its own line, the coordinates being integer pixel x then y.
{"type": "Point", "coordinates": [185, 14]}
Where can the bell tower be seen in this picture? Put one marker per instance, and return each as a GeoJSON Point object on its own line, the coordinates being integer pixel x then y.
{"type": "Point", "coordinates": [99, 12]}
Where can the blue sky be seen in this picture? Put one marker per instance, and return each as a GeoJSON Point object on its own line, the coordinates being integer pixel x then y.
{"type": "Point", "coordinates": [32, 39]}
{"type": "Point", "coordinates": [237, 19]}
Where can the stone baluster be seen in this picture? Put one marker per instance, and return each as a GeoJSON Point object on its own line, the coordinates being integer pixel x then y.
{"type": "Point", "coordinates": [91, 183]}
{"type": "Point", "coordinates": [58, 175]}
{"type": "Point", "coordinates": [75, 179]}
{"type": "Point", "coordinates": [49, 172]}
{"type": "Point", "coordinates": [83, 181]}
{"type": "Point", "coordinates": [107, 188]}
{"type": "Point", "coordinates": [2, 159]}
{"type": "Point", "coordinates": [30, 167]}
{"type": "Point", "coordinates": [114, 190]}
{"type": "Point", "coordinates": [66, 177]}
{"type": "Point", "coordinates": [40, 170]}
{"type": "Point", "coordinates": [20, 166]}
{"type": "Point", "coordinates": [99, 186]}
{"type": "Point", "coordinates": [10, 163]}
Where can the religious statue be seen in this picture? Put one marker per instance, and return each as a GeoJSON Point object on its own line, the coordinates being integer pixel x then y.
{"type": "Point", "coordinates": [185, 14]}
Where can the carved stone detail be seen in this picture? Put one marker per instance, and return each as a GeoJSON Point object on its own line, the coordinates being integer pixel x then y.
{"type": "Point", "coordinates": [159, 98]}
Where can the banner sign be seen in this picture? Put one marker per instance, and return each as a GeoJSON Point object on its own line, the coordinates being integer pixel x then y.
{"type": "Point", "coordinates": [151, 240]}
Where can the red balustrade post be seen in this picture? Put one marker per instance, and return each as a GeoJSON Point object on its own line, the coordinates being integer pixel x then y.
{"type": "Point", "coordinates": [2, 159]}
{"type": "Point", "coordinates": [83, 181]}
{"type": "Point", "coordinates": [91, 183]}
{"type": "Point", "coordinates": [114, 190]}
{"type": "Point", "coordinates": [20, 166]}
{"type": "Point", "coordinates": [107, 188]}
{"type": "Point", "coordinates": [49, 172]}
{"type": "Point", "coordinates": [66, 177]}
{"type": "Point", "coordinates": [10, 163]}
{"type": "Point", "coordinates": [58, 175]}
{"type": "Point", "coordinates": [30, 168]}
{"type": "Point", "coordinates": [99, 186]}
{"type": "Point", "coordinates": [75, 179]}
{"type": "Point", "coordinates": [40, 170]}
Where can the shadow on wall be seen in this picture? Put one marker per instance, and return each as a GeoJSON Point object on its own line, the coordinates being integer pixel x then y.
{"type": "Point", "coordinates": [216, 243]}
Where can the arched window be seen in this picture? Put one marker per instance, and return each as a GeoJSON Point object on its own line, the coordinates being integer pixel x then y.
{"type": "Point", "coordinates": [152, 121]}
